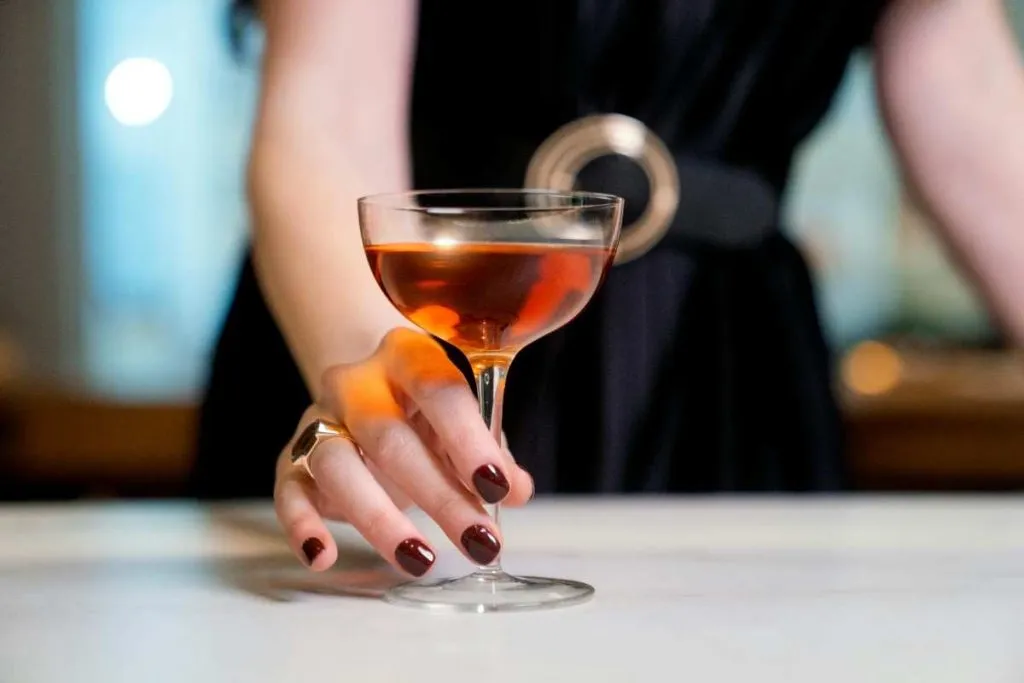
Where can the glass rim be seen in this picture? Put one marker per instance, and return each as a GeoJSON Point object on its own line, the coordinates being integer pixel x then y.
{"type": "Point", "coordinates": [405, 201]}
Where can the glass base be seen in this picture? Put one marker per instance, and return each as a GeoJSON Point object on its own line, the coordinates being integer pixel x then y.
{"type": "Point", "coordinates": [489, 592]}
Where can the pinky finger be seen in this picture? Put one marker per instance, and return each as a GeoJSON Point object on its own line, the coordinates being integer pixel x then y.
{"type": "Point", "coordinates": [307, 533]}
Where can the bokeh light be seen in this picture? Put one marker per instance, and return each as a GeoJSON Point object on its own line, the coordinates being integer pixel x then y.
{"type": "Point", "coordinates": [138, 91]}
{"type": "Point", "coordinates": [872, 369]}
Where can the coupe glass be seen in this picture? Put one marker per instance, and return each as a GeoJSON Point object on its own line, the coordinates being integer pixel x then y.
{"type": "Point", "coordinates": [490, 271]}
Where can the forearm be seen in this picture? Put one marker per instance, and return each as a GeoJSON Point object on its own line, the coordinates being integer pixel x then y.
{"type": "Point", "coordinates": [310, 261]}
{"type": "Point", "coordinates": [332, 126]}
{"type": "Point", "coordinates": [952, 89]}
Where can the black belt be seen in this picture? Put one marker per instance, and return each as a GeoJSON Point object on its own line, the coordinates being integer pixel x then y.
{"type": "Point", "coordinates": [689, 201]}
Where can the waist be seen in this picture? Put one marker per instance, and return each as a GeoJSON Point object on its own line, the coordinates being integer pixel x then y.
{"type": "Point", "coordinates": [674, 198]}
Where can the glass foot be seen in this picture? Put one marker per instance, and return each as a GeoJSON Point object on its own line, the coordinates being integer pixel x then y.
{"type": "Point", "coordinates": [489, 592]}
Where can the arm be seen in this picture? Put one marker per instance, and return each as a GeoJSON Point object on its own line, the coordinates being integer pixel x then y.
{"type": "Point", "coordinates": [331, 127]}
{"type": "Point", "coordinates": [952, 91]}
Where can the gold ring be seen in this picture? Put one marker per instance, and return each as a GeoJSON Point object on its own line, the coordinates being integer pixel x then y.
{"type": "Point", "coordinates": [557, 162]}
{"type": "Point", "coordinates": [315, 433]}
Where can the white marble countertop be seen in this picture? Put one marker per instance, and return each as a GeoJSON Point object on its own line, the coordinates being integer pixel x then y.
{"type": "Point", "coordinates": [707, 589]}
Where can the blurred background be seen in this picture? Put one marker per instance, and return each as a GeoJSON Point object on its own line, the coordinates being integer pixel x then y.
{"type": "Point", "coordinates": [123, 133]}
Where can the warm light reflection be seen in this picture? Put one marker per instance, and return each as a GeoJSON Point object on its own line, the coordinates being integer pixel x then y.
{"type": "Point", "coordinates": [440, 321]}
{"type": "Point", "coordinates": [872, 368]}
{"type": "Point", "coordinates": [445, 242]}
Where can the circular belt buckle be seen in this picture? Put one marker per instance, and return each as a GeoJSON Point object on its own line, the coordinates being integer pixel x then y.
{"type": "Point", "coordinates": [557, 163]}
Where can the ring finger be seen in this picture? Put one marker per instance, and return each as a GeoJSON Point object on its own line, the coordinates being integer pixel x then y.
{"type": "Point", "coordinates": [342, 478]}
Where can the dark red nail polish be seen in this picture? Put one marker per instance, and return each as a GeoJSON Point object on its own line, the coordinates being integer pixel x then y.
{"type": "Point", "coordinates": [490, 483]}
{"type": "Point", "coordinates": [480, 544]}
{"type": "Point", "coordinates": [311, 548]}
{"type": "Point", "coordinates": [414, 556]}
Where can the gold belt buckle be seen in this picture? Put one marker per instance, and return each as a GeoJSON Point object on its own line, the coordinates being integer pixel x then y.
{"type": "Point", "coordinates": [557, 163]}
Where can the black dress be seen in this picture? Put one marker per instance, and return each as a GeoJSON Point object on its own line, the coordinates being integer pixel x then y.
{"type": "Point", "coordinates": [699, 366]}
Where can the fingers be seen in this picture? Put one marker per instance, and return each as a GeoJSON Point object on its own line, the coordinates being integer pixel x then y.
{"type": "Point", "coordinates": [522, 482]}
{"type": "Point", "coordinates": [421, 369]}
{"type": "Point", "coordinates": [346, 489]}
{"type": "Point", "coordinates": [379, 425]}
{"type": "Point", "coordinates": [304, 527]}
{"type": "Point", "coordinates": [523, 487]}
{"type": "Point", "coordinates": [396, 494]}
{"type": "Point", "coordinates": [342, 478]}
{"type": "Point", "coordinates": [423, 441]}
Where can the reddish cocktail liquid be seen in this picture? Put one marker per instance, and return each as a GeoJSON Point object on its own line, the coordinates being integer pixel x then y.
{"type": "Point", "coordinates": [488, 299]}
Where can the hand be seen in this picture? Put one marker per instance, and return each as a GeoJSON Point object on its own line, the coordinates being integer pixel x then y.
{"type": "Point", "coordinates": [423, 442]}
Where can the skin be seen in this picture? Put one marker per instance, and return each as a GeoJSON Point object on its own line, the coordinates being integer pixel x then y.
{"type": "Point", "coordinates": [951, 88]}
{"type": "Point", "coordinates": [332, 127]}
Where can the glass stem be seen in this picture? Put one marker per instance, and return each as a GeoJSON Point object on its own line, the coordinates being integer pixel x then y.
{"type": "Point", "coordinates": [490, 390]}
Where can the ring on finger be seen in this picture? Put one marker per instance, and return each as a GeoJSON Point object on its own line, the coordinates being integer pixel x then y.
{"type": "Point", "coordinates": [314, 434]}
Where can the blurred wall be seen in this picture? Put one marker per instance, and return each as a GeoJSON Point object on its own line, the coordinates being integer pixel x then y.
{"type": "Point", "coordinates": [118, 242]}
{"type": "Point", "coordinates": [39, 230]}
{"type": "Point", "coordinates": [164, 216]}
{"type": "Point", "coordinates": [843, 206]}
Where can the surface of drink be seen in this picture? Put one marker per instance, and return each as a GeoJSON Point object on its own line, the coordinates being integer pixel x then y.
{"type": "Point", "coordinates": [488, 299]}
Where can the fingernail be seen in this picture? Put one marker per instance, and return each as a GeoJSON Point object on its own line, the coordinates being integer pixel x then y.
{"type": "Point", "coordinates": [414, 556]}
{"type": "Point", "coordinates": [480, 544]}
{"type": "Point", "coordinates": [311, 548]}
{"type": "Point", "coordinates": [490, 483]}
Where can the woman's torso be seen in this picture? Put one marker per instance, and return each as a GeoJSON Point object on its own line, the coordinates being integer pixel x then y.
{"type": "Point", "coordinates": [700, 365]}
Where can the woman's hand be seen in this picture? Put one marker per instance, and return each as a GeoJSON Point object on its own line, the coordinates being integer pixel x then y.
{"type": "Point", "coordinates": [422, 442]}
